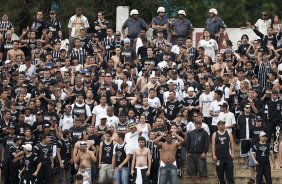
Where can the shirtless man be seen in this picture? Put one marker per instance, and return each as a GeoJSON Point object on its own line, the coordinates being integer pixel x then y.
{"type": "Point", "coordinates": [89, 146]}
{"type": "Point", "coordinates": [142, 161]}
{"type": "Point", "coordinates": [11, 54]}
{"type": "Point", "coordinates": [168, 169]}
{"type": "Point", "coordinates": [85, 157]}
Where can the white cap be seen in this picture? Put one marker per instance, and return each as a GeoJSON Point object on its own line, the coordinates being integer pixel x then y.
{"type": "Point", "coordinates": [262, 134]}
{"type": "Point", "coordinates": [191, 89]}
{"type": "Point", "coordinates": [28, 147]}
{"type": "Point", "coordinates": [181, 12]}
{"type": "Point", "coordinates": [7, 61]}
{"type": "Point", "coordinates": [134, 12]}
{"type": "Point", "coordinates": [161, 9]}
{"type": "Point", "coordinates": [103, 116]}
{"type": "Point", "coordinates": [213, 10]}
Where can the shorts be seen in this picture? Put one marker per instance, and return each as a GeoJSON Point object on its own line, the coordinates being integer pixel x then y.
{"type": "Point", "coordinates": [245, 146]}
{"type": "Point", "coordinates": [197, 165]}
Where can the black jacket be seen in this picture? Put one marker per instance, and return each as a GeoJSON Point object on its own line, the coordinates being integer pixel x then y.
{"type": "Point", "coordinates": [242, 125]}
{"type": "Point", "coordinates": [197, 141]}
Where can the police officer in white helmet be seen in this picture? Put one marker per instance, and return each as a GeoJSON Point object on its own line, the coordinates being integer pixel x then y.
{"type": "Point", "coordinates": [214, 24]}
{"type": "Point", "coordinates": [181, 27]}
{"type": "Point", "coordinates": [134, 25]}
{"type": "Point", "coordinates": [160, 22]}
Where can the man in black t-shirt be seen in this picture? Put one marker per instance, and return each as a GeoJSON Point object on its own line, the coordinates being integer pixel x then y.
{"type": "Point", "coordinates": [15, 155]}
{"type": "Point", "coordinates": [38, 25]}
{"type": "Point", "coordinates": [31, 166]}
{"type": "Point", "coordinates": [64, 150]}
{"type": "Point", "coordinates": [43, 151]}
{"type": "Point", "coordinates": [222, 142]}
{"type": "Point", "coordinates": [260, 154]}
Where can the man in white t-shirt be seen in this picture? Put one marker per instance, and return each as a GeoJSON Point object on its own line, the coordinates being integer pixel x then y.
{"type": "Point", "coordinates": [205, 101]}
{"type": "Point", "coordinates": [131, 137]}
{"type": "Point", "coordinates": [191, 124]}
{"type": "Point", "coordinates": [264, 23]}
{"type": "Point", "coordinates": [226, 116]}
{"type": "Point", "coordinates": [99, 110]}
{"type": "Point", "coordinates": [215, 109]}
{"type": "Point", "coordinates": [67, 119]}
{"type": "Point", "coordinates": [112, 120]}
{"type": "Point", "coordinates": [209, 44]}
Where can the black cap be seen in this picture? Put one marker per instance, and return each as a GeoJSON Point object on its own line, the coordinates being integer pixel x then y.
{"type": "Point", "coordinates": [11, 126]}
{"type": "Point", "coordinates": [258, 118]}
{"type": "Point", "coordinates": [118, 33]}
{"type": "Point", "coordinates": [219, 79]}
{"type": "Point", "coordinates": [46, 125]}
{"type": "Point", "coordinates": [224, 104]}
{"type": "Point", "coordinates": [27, 58]}
{"type": "Point", "coordinates": [220, 122]}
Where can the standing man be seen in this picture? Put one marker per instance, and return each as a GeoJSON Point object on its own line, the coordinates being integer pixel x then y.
{"type": "Point", "coordinates": [134, 25]}
{"type": "Point", "coordinates": [273, 115]}
{"type": "Point", "coordinates": [101, 25]}
{"type": "Point", "coordinates": [53, 24]}
{"type": "Point", "coordinates": [261, 152]}
{"type": "Point", "coordinates": [85, 157]}
{"type": "Point", "coordinates": [141, 163]}
{"type": "Point", "coordinates": [197, 146]}
{"type": "Point", "coordinates": [214, 25]}
{"type": "Point", "coordinates": [121, 156]}
{"type": "Point", "coordinates": [181, 27]}
{"type": "Point", "coordinates": [168, 168]}
{"type": "Point", "coordinates": [37, 25]}
{"type": "Point", "coordinates": [44, 152]}
{"type": "Point", "coordinates": [31, 166]}
{"type": "Point", "coordinates": [205, 100]}
{"type": "Point", "coordinates": [105, 156]}
{"type": "Point", "coordinates": [77, 22]}
{"type": "Point", "coordinates": [160, 22]}
{"type": "Point", "coordinates": [222, 142]}
{"type": "Point", "coordinates": [64, 154]}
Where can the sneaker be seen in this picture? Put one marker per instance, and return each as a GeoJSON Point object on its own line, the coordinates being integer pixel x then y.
{"type": "Point", "coordinates": [244, 167]}
{"type": "Point", "coordinates": [251, 181]}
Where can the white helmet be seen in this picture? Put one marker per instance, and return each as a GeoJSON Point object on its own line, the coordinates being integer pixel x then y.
{"type": "Point", "coordinates": [134, 12]}
{"type": "Point", "coordinates": [213, 10]}
{"type": "Point", "coordinates": [181, 12]}
{"type": "Point", "coordinates": [161, 9]}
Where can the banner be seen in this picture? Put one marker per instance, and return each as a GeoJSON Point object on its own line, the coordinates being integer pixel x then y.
{"type": "Point", "coordinates": [233, 34]}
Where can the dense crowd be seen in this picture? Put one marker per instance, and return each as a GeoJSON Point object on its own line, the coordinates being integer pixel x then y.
{"type": "Point", "coordinates": [137, 104]}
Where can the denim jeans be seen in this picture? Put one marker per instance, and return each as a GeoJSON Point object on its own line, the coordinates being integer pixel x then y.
{"type": "Point", "coordinates": [168, 174]}
{"type": "Point", "coordinates": [105, 172]}
{"type": "Point", "coordinates": [121, 177]}
{"type": "Point", "coordinates": [67, 169]}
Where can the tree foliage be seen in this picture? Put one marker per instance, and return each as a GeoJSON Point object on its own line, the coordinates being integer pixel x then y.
{"type": "Point", "coordinates": [234, 12]}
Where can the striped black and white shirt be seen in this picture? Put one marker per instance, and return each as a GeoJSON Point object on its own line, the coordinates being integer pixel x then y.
{"type": "Point", "coordinates": [5, 25]}
{"type": "Point", "coordinates": [108, 44]}
{"type": "Point", "coordinates": [55, 55]}
{"type": "Point", "coordinates": [80, 54]}
{"type": "Point", "coordinates": [154, 149]}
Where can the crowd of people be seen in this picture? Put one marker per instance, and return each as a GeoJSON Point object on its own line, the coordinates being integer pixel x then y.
{"type": "Point", "coordinates": [135, 107]}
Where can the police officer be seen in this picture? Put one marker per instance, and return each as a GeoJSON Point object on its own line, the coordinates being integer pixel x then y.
{"type": "Point", "coordinates": [160, 22]}
{"type": "Point", "coordinates": [222, 142]}
{"type": "Point", "coordinates": [214, 24]}
{"type": "Point", "coordinates": [134, 25]}
{"type": "Point", "coordinates": [181, 27]}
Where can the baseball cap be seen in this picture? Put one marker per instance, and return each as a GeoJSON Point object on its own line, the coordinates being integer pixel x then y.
{"type": "Point", "coordinates": [118, 33]}
{"type": "Point", "coordinates": [191, 89]}
{"type": "Point", "coordinates": [258, 118]}
{"type": "Point", "coordinates": [224, 104]}
{"type": "Point", "coordinates": [103, 117]}
{"type": "Point", "coordinates": [27, 58]}
{"type": "Point", "coordinates": [262, 134]}
{"type": "Point", "coordinates": [131, 125]}
{"type": "Point", "coordinates": [247, 105]}
{"type": "Point", "coordinates": [220, 122]}
{"type": "Point", "coordinates": [126, 40]}
{"type": "Point", "coordinates": [11, 126]}
{"type": "Point", "coordinates": [7, 61]}
{"type": "Point", "coordinates": [46, 125]}
{"type": "Point", "coordinates": [28, 147]}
